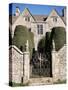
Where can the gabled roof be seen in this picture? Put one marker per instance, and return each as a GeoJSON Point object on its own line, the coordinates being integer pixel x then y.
{"type": "Point", "coordinates": [36, 18]}
{"type": "Point", "coordinates": [54, 12]}
{"type": "Point", "coordinates": [26, 12]}
{"type": "Point", "coordinates": [63, 20]}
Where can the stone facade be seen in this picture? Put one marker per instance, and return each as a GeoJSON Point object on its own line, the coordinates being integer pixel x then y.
{"type": "Point", "coordinates": [53, 20]}
{"type": "Point", "coordinates": [18, 65]}
{"type": "Point", "coordinates": [19, 62]}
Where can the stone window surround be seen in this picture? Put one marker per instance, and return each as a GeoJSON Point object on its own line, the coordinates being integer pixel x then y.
{"type": "Point", "coordinates": [27, 18]}
{"type": "Point", "coordinates": [54, 18]}
{"type": "Point", "coordinates": [40, 28]}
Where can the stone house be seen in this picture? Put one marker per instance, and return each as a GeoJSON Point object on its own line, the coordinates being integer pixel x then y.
{"type": "Point", "coordinates": [38, 24]}
{"type": "Point", "coordinates": [19, 62]}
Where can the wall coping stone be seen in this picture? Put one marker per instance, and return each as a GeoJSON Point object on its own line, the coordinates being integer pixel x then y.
{"type": "Point", "coordinates": [17, 49]}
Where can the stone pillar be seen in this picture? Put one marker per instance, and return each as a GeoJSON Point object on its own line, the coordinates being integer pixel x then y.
{"type": "Point", "coordinates": [27, 46]}
{"type": "Point", "coordinates": [55, 64]}
{"type": "Point", "coordinates": [26, 64]}
{"type": "Point", "coordinates": [17, 13]}
{"type": "Point", "coordinates": [26, 68]}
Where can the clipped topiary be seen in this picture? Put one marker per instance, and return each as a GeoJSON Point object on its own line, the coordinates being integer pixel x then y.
{"type": "Point", "coordinates": [21, 35]}
{"type": "Point", "coordinates": [59, 37]}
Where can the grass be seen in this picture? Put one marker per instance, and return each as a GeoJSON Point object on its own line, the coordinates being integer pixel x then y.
{"type": "Point", "coordinates": [13, 84]}
{"type": "Point", "coordinates": [60, 82]}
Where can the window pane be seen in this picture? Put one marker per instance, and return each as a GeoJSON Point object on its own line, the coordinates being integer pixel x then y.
{"type": "Point", "coordinates": [40, 29]}
{"type": "Point", "coordinates": [55, 19]}
{"type": "Point", "coordinates": [25, 18]}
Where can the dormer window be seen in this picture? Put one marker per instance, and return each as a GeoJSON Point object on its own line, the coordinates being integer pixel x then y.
{"type": "Point", "coordinates": [27, 19]}
{"type": "Point", "coordinates": [55, 19]}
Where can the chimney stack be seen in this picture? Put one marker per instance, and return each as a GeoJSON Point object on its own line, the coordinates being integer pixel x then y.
{"type": "Point", "coordinates": [64, 13]}
{"type": "Point", "coordinates": [17, 13]}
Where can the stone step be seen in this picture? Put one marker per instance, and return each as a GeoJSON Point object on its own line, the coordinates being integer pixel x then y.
{"type": "Point", "coordinates": [40, 81]}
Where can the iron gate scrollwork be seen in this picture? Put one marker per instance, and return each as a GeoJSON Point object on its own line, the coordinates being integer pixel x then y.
{"type": "Point", "coordinates": [40, 66]}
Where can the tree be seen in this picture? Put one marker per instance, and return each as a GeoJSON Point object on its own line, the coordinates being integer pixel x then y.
{"type": "Point", "coordinates": [59, 37]}
{"type": "Point", "coordinates": [41, 45]}
{"type": "Point", "coordinates": [21, 35]}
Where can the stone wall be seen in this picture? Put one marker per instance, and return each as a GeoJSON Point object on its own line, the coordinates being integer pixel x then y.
{"type": "Point", "coordinates": [62, 62]}
{"type": "Point", "coordinates": [18, 65]}
{"type": "Point", "coordinates": [59, 64]}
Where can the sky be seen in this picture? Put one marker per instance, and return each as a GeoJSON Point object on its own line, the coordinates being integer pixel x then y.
{"type": "Point", "coordinates": [35, 9]}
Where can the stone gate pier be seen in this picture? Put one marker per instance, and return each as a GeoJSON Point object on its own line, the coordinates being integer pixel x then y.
{"type": "Point", "coordinates": [18, 65]}
{"type": "Point", "coordinates": [59, 64]}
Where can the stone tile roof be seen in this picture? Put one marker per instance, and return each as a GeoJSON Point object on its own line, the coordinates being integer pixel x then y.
{"type": "Point", "coordinates": [38, 18]}
{"type": "Point", "coordinates": [12, 19]}
{"type": "Point", "coordinates": [63, 20]}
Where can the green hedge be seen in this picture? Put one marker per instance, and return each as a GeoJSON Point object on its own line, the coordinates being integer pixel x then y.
{"type": "Point", "coordinates": [41, 45]}
{"type": "Point", "coordinates": [59, 37]}
{"type": "Point", "coordinates": [21, 35]}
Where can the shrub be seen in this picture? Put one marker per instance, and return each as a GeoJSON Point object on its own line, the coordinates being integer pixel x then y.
{"type": "Point", "coordinates": [21, 35]}
{"type": "Point", "coordinates": [44, 43]}
{"type": "Point", "coordinates": [59, 37]}
{"type": "Point", "coordinates": [41, 45]}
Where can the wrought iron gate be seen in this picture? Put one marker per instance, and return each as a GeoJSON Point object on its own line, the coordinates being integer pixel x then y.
{"type": "Point", "coordinates": [40, 66]}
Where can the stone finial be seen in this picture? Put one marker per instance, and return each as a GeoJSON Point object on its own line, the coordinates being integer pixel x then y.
{"type": "Point", "coordinates": [27, 45]}
{"type": "Point", "coordinates": [17, 13]}
{"type": "Point", "coordinates": [53, 43]}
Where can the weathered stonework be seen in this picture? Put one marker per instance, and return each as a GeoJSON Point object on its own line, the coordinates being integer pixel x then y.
{"type": "Point", "coordinates": [19, 62]}
{"type": "Point", "coordinates": [47, 24]}
{"type": "Point", "coordinates": [59, 64]}
{"type": "Point", "coordinates": [18, 65]}
{"type": "Point", "coordinates": [62, 62]}
{"type": "Point", "coordinates": [26, 74]}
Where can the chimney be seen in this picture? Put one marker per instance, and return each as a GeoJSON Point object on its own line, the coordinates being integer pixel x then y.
{"type": "Point", "coordinates": [17, 12]}
{"type": "Point", "coordinates": [64, 13]}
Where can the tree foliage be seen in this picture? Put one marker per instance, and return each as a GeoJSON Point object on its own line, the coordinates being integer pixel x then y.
{"type": "Point", "coordinates": [59, 37]}
{"type": "Point", "coordinates": [21, 35]}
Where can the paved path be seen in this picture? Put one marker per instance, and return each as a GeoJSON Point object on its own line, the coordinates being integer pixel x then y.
{"type": "Point", "coordinates": [40, 81]}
